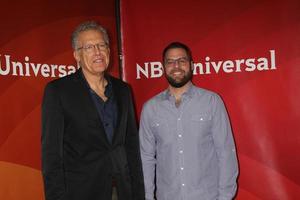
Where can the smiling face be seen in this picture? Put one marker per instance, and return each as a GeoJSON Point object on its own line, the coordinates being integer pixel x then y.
{"type": "Point", "coordinates": [178, 67]}
{"type": "Point", "coordinates": [92, 53]}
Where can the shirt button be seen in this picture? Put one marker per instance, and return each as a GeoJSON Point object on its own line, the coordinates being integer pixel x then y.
{"type": "Point", "coordinates": [179, 135]}
{"type": "Point", "coordinates": [183, 184]}
{"type": "Point", "coordinates": [181, 168]}
{"type": "Point", "coordinates": [201, 119]}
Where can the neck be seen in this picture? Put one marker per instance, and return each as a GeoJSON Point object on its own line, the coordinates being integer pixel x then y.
{"type": "Point", "coordinates": [95, 81]}
{"type": "Point", "coordinates": [177, 92]}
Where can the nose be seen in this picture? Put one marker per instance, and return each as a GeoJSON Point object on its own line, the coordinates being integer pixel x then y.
{"type": "Point", "coordinates": [97, 49]}
{"type": "Point", "coordinates": [176, 63]}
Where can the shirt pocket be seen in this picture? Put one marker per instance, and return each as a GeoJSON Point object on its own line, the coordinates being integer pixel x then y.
{"type": "Point", "coordinates": [160, 128]}
{"type": "Point", "coordinates": [201, 124]}
{"type": "Point", "coordinates": [201, 118]}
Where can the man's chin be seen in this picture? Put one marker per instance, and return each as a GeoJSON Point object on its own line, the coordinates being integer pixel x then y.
{"type": "Point", "coordinates": [100, 68]}
{"type": "Point", "coordinates": [177, 84]}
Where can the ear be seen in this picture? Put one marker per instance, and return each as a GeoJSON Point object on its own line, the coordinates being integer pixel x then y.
{"type": "Point", "coordinates": [163, 68]}
{"type": "Point", "coordinates": [109, 56]}
{"type": "Point", "coordinates": [192, 66]}
{"type": "Point", "coordinates": [76, 56]}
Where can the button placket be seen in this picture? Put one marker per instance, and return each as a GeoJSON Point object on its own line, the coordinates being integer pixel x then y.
{"type": "Point", "coordinates": [181, 147]}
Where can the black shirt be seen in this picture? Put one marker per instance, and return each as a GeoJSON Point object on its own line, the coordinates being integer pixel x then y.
{"type": "Point", "coordinates": [107, 110]}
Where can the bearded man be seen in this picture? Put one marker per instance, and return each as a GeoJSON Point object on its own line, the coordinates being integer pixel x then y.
{"type": "Point", "coordinates": [187, 147]}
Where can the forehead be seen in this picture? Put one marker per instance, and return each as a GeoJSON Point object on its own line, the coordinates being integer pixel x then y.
{"type": "Point", "coordinates": [176, 53]}
{"type": "Point", "coordinates": [90, 35]}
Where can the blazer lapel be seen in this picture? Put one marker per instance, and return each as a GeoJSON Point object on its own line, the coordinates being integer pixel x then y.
{"type": "Point", "coordinates": [121, 107]}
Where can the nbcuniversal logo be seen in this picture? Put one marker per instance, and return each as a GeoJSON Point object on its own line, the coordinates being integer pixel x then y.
{"type": "Point", "coordinates": [155, 69]}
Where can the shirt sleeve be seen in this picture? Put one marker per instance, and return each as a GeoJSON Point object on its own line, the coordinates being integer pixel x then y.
{"type": "Point", "coordinates": [147, 146]}
{"type": "Point", "coordinates": [52, 144]}
{"type": "Point", "coordinates": [225, 148]}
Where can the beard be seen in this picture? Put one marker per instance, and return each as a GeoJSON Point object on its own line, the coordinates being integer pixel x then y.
{"type": "Point", "coordinates": [178, 83]}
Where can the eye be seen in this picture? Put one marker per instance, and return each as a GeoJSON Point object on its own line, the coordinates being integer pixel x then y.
{"type": "Point", "coordinates": [102, 46]}
{"type": "Point", "coordinates": [182, 60]}
{"type": "Point", "coordinates": [88, 47]}
{"type": "Point", "coordinates": [170, 62]}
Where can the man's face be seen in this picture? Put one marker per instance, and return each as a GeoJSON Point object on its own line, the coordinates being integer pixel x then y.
{"type": "Point", "coordinates": [92, 52]}
{"type": "Point", "coordinates": [178, 68]}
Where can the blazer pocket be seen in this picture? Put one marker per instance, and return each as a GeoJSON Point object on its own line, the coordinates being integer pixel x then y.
{"type": "Point", "coordinates": [75, 175]}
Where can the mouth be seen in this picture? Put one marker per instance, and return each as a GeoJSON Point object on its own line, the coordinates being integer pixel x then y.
{"type": "Point", "coordinates": [177, 73]}
{"type": "Point", "coordinates": [98, 60]}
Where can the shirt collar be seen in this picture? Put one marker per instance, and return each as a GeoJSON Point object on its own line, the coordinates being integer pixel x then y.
{"type": "Point", "coordinates": [187, 94]}
{"type": "Point", "coordinates": [108, 88]}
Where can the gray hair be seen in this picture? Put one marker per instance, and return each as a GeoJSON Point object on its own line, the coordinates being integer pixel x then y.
{"type": "Point", "coordinates": [86, 26]}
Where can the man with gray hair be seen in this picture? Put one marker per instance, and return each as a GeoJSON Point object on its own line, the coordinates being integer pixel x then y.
{"type": "Point", "coordinates": [90, 145]}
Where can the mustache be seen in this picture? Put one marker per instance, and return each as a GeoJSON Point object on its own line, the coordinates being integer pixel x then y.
{"type": "Point", "coordinates": [177, 70]}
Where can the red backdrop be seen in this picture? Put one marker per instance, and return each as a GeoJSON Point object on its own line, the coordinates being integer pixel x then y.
{"type": "Point", "coordinates": [249, 53]}
{"type": "Point", "coordinates": [35, 36]}
{"type": "Point", "coordinates": [253, 49]}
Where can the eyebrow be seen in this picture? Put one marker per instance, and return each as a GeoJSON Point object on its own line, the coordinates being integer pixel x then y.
{"type": "Point", "coordinates": [177, 58]}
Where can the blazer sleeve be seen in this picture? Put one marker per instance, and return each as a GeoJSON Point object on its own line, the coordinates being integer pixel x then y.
{"type": "Point", "coordinates": [133, 153]}
{"type": "Point", "coordinates": [52, 144]}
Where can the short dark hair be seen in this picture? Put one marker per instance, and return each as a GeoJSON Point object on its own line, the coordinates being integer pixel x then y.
{"type": "Point", "coordinates": [177, 45]}
{"type": "Point", "coordinates": [86, 26]}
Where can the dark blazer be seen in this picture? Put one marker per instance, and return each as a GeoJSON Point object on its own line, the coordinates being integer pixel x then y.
{"type": "Point", "coordinates": [78, 161]}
